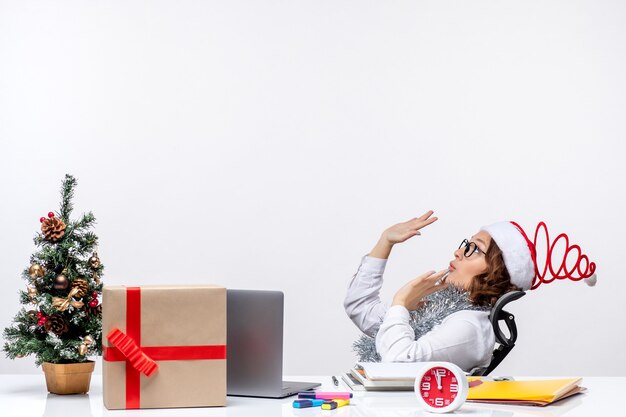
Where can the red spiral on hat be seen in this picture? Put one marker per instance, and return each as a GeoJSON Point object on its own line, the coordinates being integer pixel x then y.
{"type": "Point", "coordinates": [562, 272]}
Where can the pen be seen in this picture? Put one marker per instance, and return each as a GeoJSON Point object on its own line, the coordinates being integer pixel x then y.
{"type": "Point", "coordinates": [332, 404]}
{"type": "Point", "coordinates": [443, 278]}
{"type": "Point", "coordinates": [324, 395]}
{"type": "Point", "coordinates": [335, 381]}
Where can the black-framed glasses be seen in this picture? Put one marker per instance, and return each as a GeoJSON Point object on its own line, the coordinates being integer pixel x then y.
{"type": "Point", "coordinates": [470, 248]}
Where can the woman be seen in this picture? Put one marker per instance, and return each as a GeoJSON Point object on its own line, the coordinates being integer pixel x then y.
{"type": "Point", "coordinates": [480, 273]}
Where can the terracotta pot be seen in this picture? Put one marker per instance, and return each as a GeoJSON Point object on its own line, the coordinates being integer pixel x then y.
{"type": "Point", "coordinates": [68, 378]}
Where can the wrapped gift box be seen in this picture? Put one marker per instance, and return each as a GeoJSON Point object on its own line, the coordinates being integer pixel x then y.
{"type": "Point", "coordinates": [166, 346]}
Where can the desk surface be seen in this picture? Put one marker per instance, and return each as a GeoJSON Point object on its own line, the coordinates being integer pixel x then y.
{"type": "Point", "coordinates": [26, 395]}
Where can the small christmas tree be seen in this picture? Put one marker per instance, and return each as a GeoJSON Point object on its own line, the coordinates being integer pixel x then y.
{"type": "Point", "coordinates": [63, 320]}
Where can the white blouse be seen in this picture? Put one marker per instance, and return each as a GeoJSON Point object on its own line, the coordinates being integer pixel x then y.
{"type": "Point", "coordinates": [465, 338]}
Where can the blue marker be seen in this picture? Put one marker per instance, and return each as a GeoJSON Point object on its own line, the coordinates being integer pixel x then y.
{"type": "Point", "coordinates": [307, 403]}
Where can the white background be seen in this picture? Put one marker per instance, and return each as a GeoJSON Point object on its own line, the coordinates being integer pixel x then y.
{"type": "Point", "coordinates": [267, 144]}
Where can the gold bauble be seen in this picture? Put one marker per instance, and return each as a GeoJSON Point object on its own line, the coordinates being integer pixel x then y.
{"type": "Point", "coordinates": [61, 282]}
{"type": "Point", "coordinates": [32, 293]}
{"type": "Point", "coordinates": [88, 340]}
{"type": "Point", "coordinates": [36, 271]}
{"type": "Point", "coordinates": [82, 349]}
{"type": "Point", "coordinates": [19, 356]}
{"type": "Point", "coordinates": [94, 261]}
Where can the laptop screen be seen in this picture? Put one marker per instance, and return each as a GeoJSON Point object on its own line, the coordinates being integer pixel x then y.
{"type": "Point", "coordinates": [255, 342]}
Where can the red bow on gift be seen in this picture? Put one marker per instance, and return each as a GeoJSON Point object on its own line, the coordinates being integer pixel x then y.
{"type": "Point", "coordinates": [127, 347]}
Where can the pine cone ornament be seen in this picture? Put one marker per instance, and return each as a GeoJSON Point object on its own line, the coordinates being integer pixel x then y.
{"type": "Point", "coordinates": [93, 311]}
{"type": "Point", "coordinates": [56, 324]}
{"type": "Point", "coordinates": [81, 286]}
{"type": "Point", "coordinates": [53, 229]}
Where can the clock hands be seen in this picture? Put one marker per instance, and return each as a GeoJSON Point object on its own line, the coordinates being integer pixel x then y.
{"type": "Point", "coordinates": [438, 376]}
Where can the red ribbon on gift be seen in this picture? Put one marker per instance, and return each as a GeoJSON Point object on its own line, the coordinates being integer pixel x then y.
{"type": "Point", "coordinates": [141, 359]}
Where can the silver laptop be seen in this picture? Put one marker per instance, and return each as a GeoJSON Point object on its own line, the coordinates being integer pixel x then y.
{"type": "Point", "coordinates": [255, 345]}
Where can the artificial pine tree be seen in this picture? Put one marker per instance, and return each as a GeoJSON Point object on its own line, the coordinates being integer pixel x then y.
{"type": "Point", "coordinates": [62, 320]}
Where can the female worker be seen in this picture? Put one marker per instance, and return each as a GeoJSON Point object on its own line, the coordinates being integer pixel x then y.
{"type": "Point", "coordinates": [497, 259]}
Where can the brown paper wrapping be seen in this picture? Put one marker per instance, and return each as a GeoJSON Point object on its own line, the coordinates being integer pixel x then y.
{"type": "Point", "coordinates": [170, 316]}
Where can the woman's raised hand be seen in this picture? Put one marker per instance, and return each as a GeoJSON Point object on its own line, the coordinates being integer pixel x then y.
{"type": "Point", "coordinates": [402, 231]}
{"type": "Point", "coordinates": [399, 233]}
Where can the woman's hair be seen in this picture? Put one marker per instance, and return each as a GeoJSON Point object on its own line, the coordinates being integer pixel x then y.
{"type": "Point", "coordinates": [487, 287]}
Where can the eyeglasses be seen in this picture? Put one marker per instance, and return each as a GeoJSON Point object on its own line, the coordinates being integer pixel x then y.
{"type": "Point", "coordinates": [470, 248]}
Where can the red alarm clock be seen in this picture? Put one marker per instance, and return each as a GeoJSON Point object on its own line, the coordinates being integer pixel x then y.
{"type": "Point", "coordinates": [441, 387]}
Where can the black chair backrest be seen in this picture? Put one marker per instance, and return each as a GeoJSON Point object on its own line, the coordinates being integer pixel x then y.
{"type": "Point", "coordinates": [506, 344]}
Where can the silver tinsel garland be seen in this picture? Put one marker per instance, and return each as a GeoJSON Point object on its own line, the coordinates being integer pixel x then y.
{"type": "Point", "coordinates": [439, 305]}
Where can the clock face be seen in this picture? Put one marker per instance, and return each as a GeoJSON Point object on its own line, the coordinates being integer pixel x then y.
{"type": "Point", "coordinates": [439, 387]}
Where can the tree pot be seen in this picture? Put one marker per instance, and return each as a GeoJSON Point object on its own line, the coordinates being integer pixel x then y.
{"type": "Point", "coordinates": [68, 378]}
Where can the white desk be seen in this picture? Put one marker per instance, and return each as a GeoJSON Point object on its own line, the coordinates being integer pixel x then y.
{"type": "Point", "coordinates": [26, 395]}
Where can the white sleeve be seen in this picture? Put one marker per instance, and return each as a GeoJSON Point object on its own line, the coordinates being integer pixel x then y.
{"type": "Point", "coordinates": [456, 340]}
{"type": "Point", "coordinates": [362, 302]}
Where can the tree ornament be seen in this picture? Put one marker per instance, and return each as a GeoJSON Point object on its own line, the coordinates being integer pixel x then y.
{"type": "Point", "coordinates": [36, 271]}
{"type": "Point", "coordinates": [50, 214]}
{"type": "Point", "coordinates": [53, 229]}
{"type": "Point", "coordinates": [41, 219]}
{"type": "Point", "coordinates": [42, 321]}
{"type": "Point", "coordinates": [94, 261]}
{"type": "Point", "coordinates": [94, 294]}
{"type": "Point", "coordinates": [56, 324]}
{"type": "Point", "coordinates": [96, 278]}
{"type": "Point", "coordinates": [32, 294]}
{"type": "Point", "coordinates": [19, 356]}
{"type": "Point", "coordinates": [63, 304]}
{"type": "Point", "coordinates": [61, 282]}
{"type": "Point", "coordinates": [84, 347]}
{"type": "Point", "coordinates": [34, 315]}
{"type": "Point", "coordinates": [93, 303]}
{"type": "Point", "coordinates": [81, 287]}
{"type": "Point", "coordinates": [93, 311]}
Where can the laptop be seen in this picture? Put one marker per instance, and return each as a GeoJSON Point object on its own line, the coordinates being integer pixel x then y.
{"type": "Point", "coordinates": [255, 346]}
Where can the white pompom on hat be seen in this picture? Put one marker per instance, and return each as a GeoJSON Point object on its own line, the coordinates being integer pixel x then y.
{"type": "Point", "coordinates": [520, 256]}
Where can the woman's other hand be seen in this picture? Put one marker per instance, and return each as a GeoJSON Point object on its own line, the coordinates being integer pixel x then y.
{"type": "Point", "coordinates": [411, 294]}
{"type": "Point", "coordinates": [399, 233]}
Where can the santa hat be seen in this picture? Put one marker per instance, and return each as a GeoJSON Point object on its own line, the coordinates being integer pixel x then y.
{"type": "Point", "coordinates": [520, 257]}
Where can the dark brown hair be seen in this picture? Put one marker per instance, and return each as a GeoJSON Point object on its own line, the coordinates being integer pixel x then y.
{"type": "Point", "coordinates": [487, 287]}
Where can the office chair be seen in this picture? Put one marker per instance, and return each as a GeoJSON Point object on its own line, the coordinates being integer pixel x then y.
{"type": "Point", "coordinates": [506, 344]}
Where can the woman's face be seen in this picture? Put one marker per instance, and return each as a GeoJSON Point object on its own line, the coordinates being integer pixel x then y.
{"type": "Point", "coordinates": [463, 269]}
